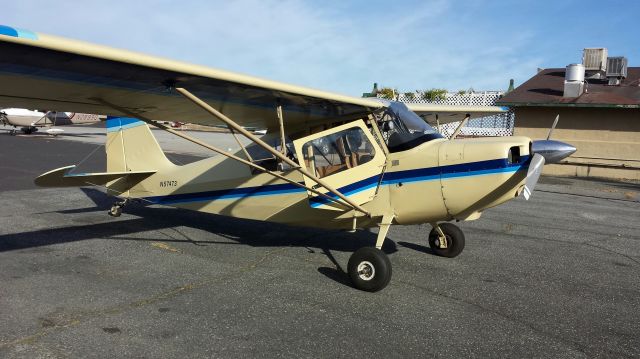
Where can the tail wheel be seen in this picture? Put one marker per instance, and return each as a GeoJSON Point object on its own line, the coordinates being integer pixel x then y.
{"type": "Point", "coordinates": [115, 211]}
{"type": "Point", "coordinates": [454, 237]}
{"type": "Point", "coordinates": [369, 269]}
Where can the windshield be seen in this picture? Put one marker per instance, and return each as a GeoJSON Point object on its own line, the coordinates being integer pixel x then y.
{"type": "Point", "coordinates": [403, 129]}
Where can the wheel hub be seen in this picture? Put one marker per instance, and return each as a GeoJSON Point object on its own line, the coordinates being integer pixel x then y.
{"type": "Point", "coordinates": [366, 270]}
{"type": "Point", "coordinates": [442, 243]}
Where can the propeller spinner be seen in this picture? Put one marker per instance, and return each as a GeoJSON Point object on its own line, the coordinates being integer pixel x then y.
{"type": "Point", "coordinates": [545, 151]}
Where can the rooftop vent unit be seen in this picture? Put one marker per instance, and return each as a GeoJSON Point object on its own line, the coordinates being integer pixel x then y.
{"type": "Point", "coordinates": [594, 59]}
{"type": "Point", "coordinates": [616, 69]}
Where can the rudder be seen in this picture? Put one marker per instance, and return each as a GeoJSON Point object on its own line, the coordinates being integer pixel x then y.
{"type": "Point", "coordinates": [131, 146]}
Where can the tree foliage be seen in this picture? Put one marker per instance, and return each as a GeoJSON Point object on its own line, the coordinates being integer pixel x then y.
{"type": "Point", "coordinates": [386, 92]}
{"type": "Point", "coordinates": [434, 95]}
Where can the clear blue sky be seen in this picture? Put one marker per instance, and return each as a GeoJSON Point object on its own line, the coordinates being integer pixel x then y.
{"type": "Point", "coordinates": [345, 46]}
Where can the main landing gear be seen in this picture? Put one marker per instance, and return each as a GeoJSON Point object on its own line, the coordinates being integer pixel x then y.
{"type": "Point", "coordinates": [370, 268]}
{"type": "Point", "coordinates": [116, 209]}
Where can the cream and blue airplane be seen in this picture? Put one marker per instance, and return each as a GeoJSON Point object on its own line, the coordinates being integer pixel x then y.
{"type": "Point", "coordinates": [327, 160]}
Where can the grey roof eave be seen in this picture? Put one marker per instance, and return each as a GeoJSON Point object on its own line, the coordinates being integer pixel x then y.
{"type": "Point", "coordinates": [583, 105]}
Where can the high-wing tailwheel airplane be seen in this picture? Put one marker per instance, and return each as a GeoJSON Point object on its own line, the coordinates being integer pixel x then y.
{"type": "Point", "coordinates": [28, 121]}
{"type": "Point", "coordinates": [327, 160]}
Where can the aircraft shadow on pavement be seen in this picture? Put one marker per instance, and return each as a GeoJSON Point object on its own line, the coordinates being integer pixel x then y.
{"type": "Point", "coordinates": [241, 231]}
{"type": "Point", "coordinates": [416, 247]}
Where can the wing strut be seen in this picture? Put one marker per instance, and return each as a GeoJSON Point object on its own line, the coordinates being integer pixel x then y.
{"type": "Point", "coordinates": [224, 153]}
{"type": "Point", "coordinates": [244, 150]}
{"type": "Point", "coordinates": [281, 122]}
{"type": "Point", "coordinates": [460, 126]}
{"type": "Point", "coordinates": [264, 145]}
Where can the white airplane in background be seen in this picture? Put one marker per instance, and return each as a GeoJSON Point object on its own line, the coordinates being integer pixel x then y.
{"type": "Point", "coordinates": [28, 121]}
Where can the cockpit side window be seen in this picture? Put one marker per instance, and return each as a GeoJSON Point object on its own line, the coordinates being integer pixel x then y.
{"type": "Point", "coordinates": [266, 159]}
{"type": "Point", "coordinates": [403, 129]}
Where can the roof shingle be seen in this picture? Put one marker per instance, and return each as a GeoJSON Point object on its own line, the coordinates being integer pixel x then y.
{"type": "Point", "coordinates": [546, 89]}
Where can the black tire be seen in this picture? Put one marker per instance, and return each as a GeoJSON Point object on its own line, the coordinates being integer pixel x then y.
{"type": "Point", "coordinates": [115, 211]}
{"type": "Point", "coordinates": [369, 269]}
{"type": "Point", "coordinates": [455, 240]}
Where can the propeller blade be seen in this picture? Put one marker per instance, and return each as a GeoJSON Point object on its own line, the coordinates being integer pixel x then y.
{"type": "Point", "coordinates": [553, 127]}
{"type": "Point", "coordinates": [533, 174]}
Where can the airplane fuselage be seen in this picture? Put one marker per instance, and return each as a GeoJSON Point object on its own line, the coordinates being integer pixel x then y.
{"type": "Point", "coordinates": [440, 180]}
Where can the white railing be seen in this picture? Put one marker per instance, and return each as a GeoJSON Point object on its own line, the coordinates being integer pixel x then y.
{"type": "Point", "coordinates": [496, 125]}
{"type": "Point", "coordinates": [483, 98]}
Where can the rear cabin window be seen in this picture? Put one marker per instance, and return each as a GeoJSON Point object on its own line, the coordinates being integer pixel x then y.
{"type": "Point", "coordinates": [266, 159]}
{"type": "Point", "coordinates": [337, 152]}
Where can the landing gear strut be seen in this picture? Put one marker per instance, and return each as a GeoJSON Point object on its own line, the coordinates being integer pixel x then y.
{"type": "Point", "coordinates": [116, 209]}
{"type": "Point", "coordinates": [370, 268]}
{"type": "Point", "coordinates": [446, 240]}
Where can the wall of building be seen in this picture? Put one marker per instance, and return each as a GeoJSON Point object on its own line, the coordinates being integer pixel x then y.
{"type": "Point", "coordinates": [607, 139]}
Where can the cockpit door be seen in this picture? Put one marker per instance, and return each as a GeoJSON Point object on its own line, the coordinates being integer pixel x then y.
{"type": "Point", "coordinates": [346, 157]}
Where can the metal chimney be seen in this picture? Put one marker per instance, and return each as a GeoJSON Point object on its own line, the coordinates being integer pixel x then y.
{"type": "Point", "coordinates": [574, 81]}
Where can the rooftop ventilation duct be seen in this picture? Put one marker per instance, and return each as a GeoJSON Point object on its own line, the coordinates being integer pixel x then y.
{"type": "Point", "coordinates": [594, 60]}
{"type": "Point", "coordinates": [616, 69]}
{"type": "Point", "coordinates": [573, 80]}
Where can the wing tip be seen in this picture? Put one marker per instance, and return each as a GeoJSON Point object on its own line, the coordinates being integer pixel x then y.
{"type": "Point", "coordinates": [17, 32]}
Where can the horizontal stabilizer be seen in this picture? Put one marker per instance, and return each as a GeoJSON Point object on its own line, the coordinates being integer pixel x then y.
{"type": "Point", "coordinates": [62, 177]}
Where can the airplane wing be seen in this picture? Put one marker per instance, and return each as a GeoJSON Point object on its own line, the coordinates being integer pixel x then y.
{"type": "Point", "coordinates": [44, 71]}
{"type": "Point", "coordinates": [447, 113]}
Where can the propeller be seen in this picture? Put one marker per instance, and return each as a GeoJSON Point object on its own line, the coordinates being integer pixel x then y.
{"type": "Point", "coordinates": [553, 127]}
{"type": "Point", "coordinates": [545, 151]}
{"type": "Point", "coordinates": [553, 151]}
{"type": "Point", "coordinates": [533, 174]}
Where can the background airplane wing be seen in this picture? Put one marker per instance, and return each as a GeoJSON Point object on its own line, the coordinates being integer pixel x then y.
{"type": "Point", "coordinates": [447, 113]}
{"type": "Point", "coordinates": [44, 71]}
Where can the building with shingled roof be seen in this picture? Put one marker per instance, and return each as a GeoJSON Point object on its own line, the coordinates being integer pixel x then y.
{"type": "Point", "coordinates": [598, 104]}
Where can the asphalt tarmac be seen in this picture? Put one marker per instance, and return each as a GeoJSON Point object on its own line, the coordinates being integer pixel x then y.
{"type": "Point", "coordinates": [555, 277]}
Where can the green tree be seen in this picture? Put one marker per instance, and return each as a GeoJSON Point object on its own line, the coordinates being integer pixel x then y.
{"type": "Point", "coordinates": [434, 95]}
{"type": "Point", "coordinates": [386, 92]}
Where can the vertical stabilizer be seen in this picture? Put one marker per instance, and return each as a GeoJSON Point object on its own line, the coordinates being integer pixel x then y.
{"type": "Point", "coordinates": [131, 147]}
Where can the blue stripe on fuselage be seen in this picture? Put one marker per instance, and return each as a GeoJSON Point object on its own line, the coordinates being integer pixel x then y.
{"type": "Point", "coordinates": [433, 173]}
{"type": "Point", "coordinates": [389, 178]}
{"type": "Point", "coordinates": [243, 192]}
